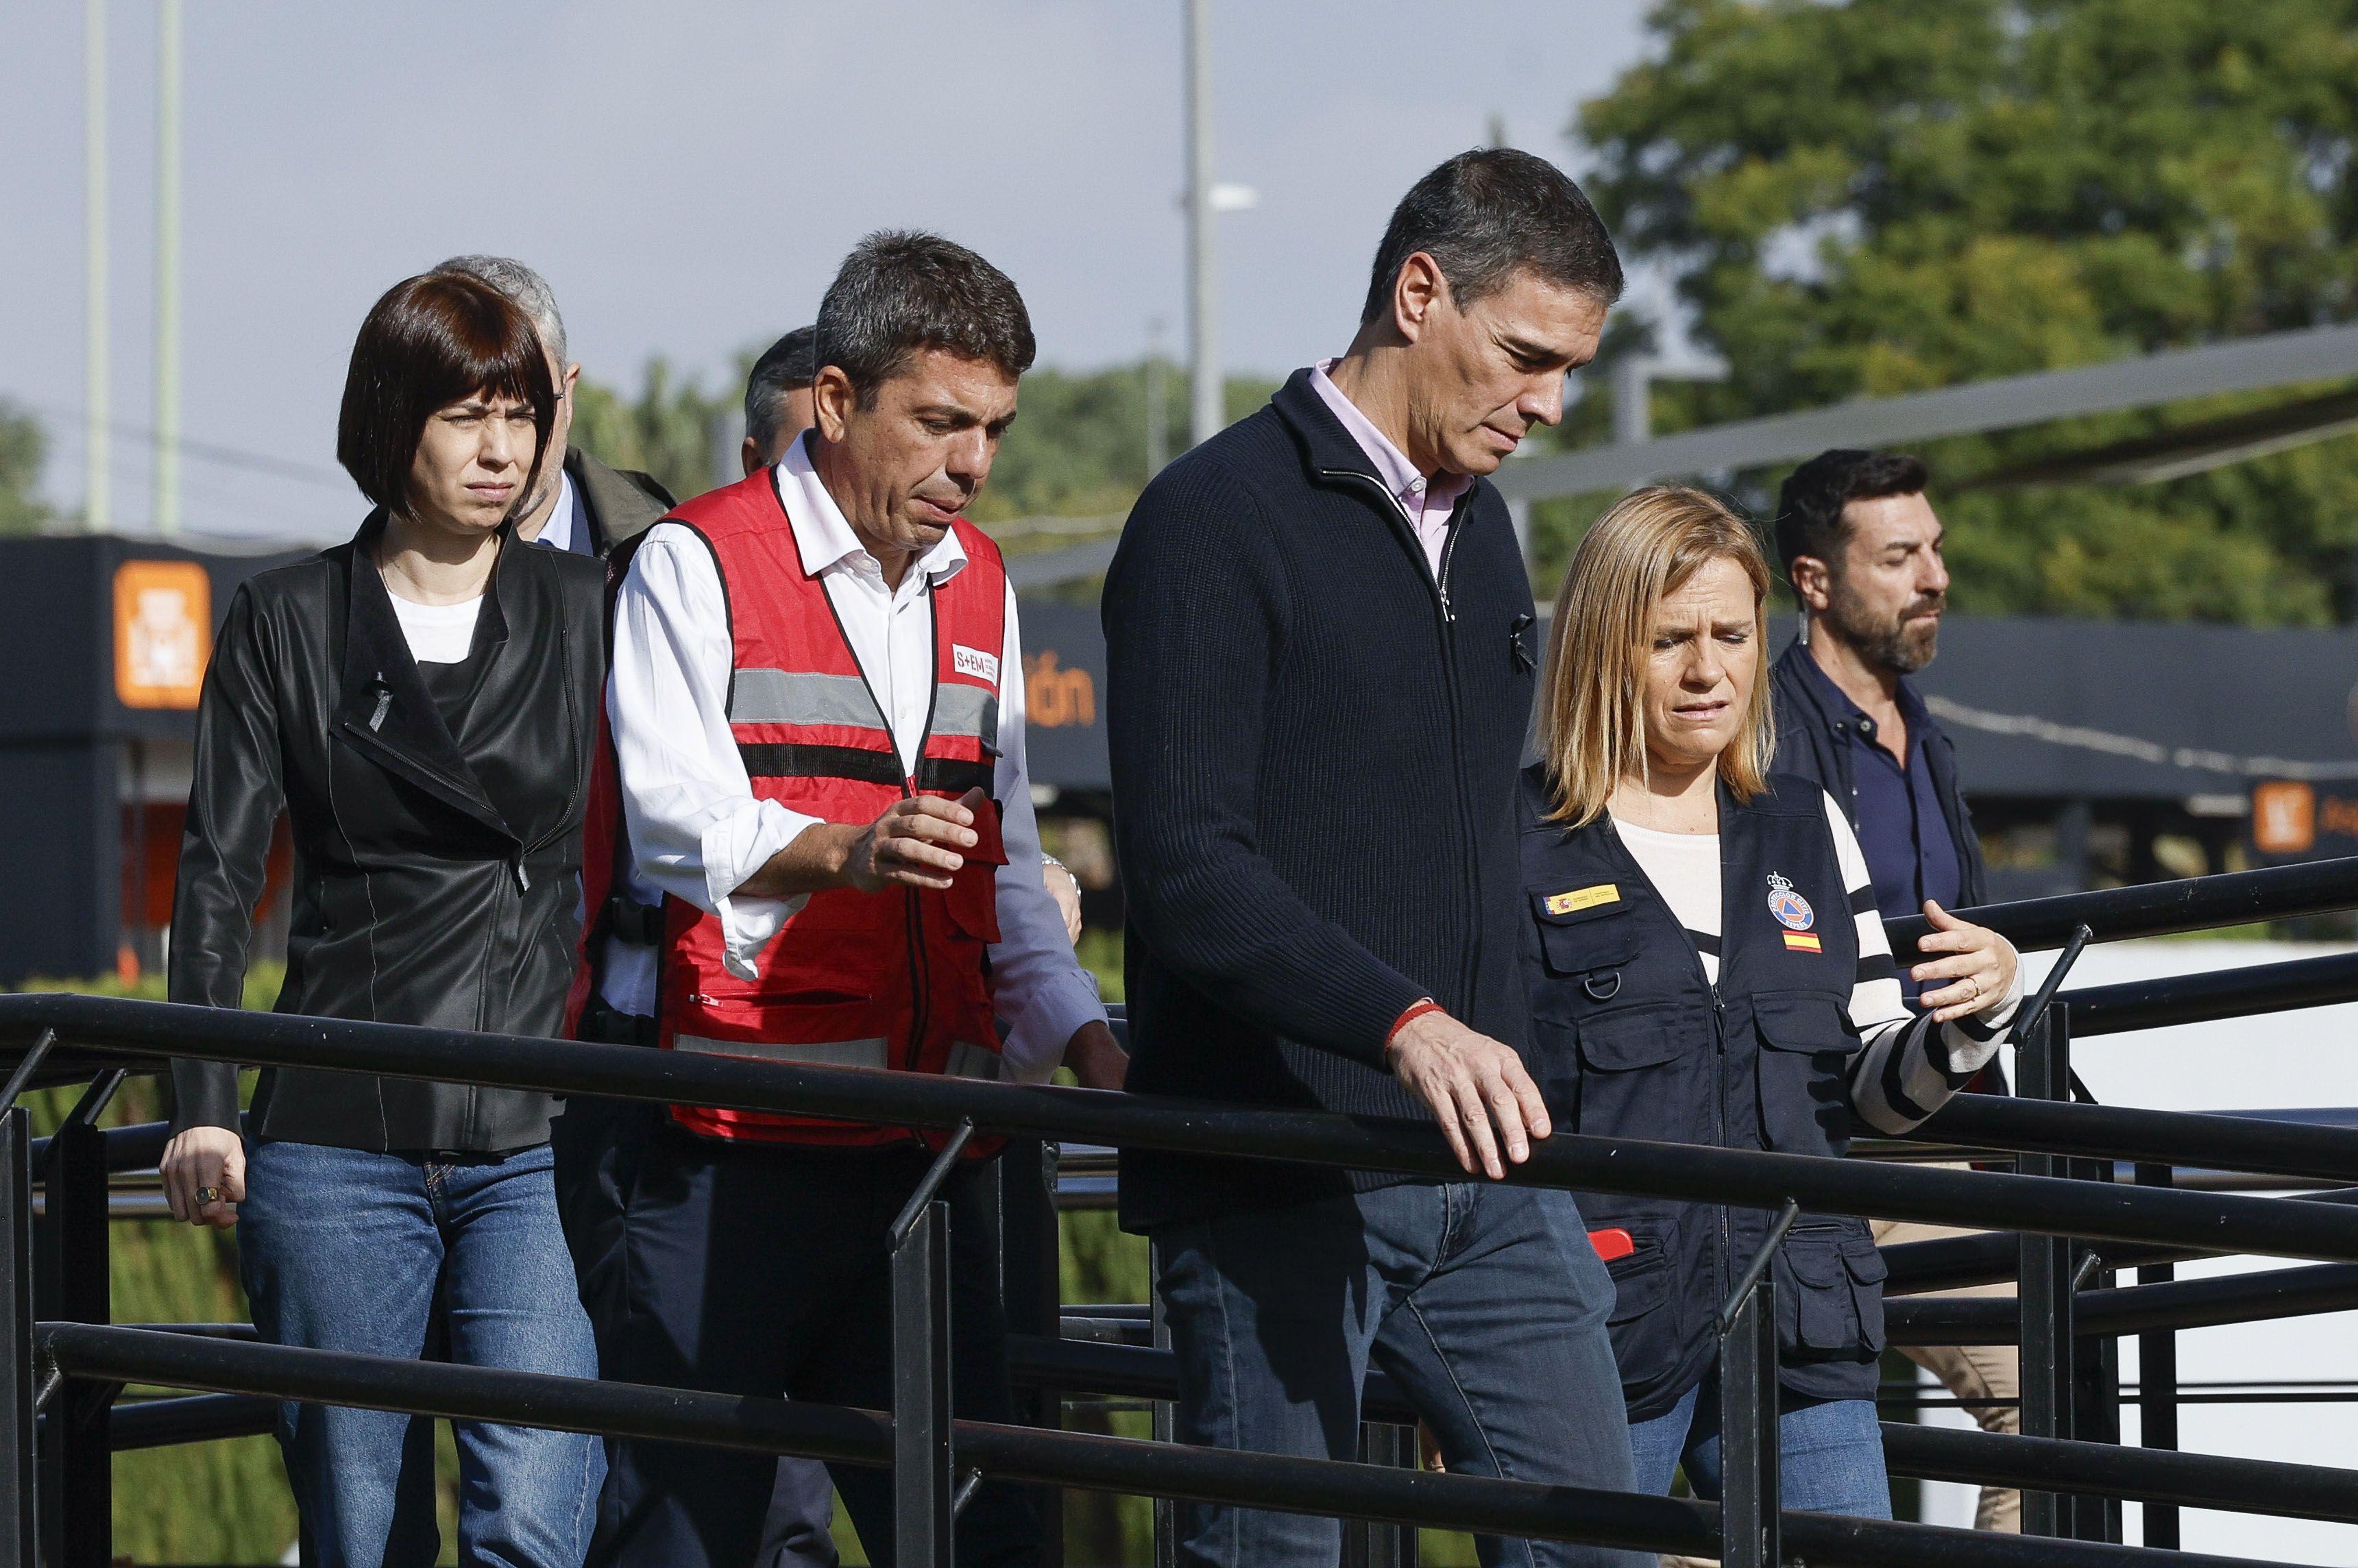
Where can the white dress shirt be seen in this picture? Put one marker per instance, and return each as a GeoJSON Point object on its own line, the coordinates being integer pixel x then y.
{"type": "Point", "coordinates": [697, 832]}
{"type": "Point", "coordinates": [557, 531]}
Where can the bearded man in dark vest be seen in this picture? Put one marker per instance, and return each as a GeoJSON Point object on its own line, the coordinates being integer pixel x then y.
{"type": "Point", "coordinates": [812, 841]}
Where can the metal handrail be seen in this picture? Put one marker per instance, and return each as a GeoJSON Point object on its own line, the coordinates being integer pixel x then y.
{"type": "Point", "coordinates": [2164, 1137]}
{"type": "Point", "coordinates": [2244, 992]}
{"type": "Point", "coordinates": [2157, 909]}
{"type": "Point", "coordinates": [2038, 1206]}
{"type": "Point", "coordinates": [1479, 1504]}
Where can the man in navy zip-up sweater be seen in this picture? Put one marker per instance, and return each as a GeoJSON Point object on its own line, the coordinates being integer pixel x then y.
{"type": "Point", "coordinates": [1321, 651]}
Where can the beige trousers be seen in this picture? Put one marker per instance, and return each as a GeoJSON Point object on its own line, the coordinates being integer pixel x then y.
{"type": "Point", "coordinates": [1973, 1372]}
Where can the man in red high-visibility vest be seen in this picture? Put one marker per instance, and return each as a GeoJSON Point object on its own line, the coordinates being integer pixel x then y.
{"type": "Point", "coordinates": [824, 853]}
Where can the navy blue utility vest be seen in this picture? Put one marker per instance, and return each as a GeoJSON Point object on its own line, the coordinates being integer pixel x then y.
{"type": "Point", "coordinates": [1630, 1040]}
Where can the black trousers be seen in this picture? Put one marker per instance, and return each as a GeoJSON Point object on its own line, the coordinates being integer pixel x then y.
{"type": "Point", "coordinates": [763, 1269]}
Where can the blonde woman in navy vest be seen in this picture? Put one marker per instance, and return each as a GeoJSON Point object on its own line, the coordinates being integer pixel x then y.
{"type": "Point", "coordinates": [1706, 965]}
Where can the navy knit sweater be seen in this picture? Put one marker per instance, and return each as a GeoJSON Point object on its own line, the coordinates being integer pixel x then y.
{"type": "Point", "coordinates": [1314, 748]}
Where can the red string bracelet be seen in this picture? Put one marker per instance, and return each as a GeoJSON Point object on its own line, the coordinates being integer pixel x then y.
{"type": "Point", "coordinates": [1415, 1011]}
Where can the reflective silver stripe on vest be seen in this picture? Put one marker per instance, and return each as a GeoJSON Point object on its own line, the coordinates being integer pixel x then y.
{"type": "Point", "coordinates": [972, 1062]}
{"type": "Point", "coordinates": [796, 696]}
{"type": "Point", "coordinates": [820, 1054]}
{"type": "Point", "coordinates": [967, 710]}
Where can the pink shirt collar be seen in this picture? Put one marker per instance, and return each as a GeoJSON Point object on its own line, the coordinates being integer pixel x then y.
{"type": "Point", "coordinates": [1427, 503]}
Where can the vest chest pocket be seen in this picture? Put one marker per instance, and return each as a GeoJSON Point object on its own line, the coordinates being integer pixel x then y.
{"type": "Point", "coordinates": [1642, 1072]}
{"type": "Point", "coordinates": [1833, 1276]}
{"type": "Point", "coordinates": [1806, 1041]}
{"type": "Point", "coordinates": [1587, 933]}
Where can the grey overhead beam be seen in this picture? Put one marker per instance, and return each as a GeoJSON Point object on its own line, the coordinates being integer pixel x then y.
{"type": "Point", "coordinates": [1048, 567]}
{"type": "Point", "coordinates": [2187, 449]}
{"type": "Point", "coordinates": [2277, 358]}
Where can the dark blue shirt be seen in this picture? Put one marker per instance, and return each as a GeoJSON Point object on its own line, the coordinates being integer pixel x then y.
{"type": "Point", "coordinates": [1910, 852]}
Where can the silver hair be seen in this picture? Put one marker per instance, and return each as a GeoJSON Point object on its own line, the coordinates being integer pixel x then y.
{"type": "Point", "coordinates": [526, 289]}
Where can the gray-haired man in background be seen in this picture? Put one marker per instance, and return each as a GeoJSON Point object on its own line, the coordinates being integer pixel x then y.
{"type": "Point", "coordinates": [581, 505]}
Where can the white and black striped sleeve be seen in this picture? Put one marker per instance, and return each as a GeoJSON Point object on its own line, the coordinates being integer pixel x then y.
{"type": "Point", "coordinates": [1907, 1066]}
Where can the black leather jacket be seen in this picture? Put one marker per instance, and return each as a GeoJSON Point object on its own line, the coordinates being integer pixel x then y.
{"type": "Point", "coordinates": [437, 877]}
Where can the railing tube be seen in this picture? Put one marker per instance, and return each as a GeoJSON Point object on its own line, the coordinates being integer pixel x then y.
{"type": "Point", "coordinates": [2157, 1384]}
{"type": "Point", "coordinates": [1748, 1494]}
{"type": "Point", "coordinates": [19, 1535]}
{"type": "Point", "coordinates": [924, 1488]}
{"type": "Point", "coordinates": [2218, 1223]}
{"type": "Point", "coordinates": [2046, 1293]}
{"type": "Point", "coordinates": [72, 1283]}
{"type": "Point", "coordinates": [2159, 909]}
{"type": "Point", "coordinates": [1513, 1508]}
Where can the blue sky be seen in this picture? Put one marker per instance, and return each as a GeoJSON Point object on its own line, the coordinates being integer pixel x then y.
{"type": "Point", "coordinates": [687, 176]}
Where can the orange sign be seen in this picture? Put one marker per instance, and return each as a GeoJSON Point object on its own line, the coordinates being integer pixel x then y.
{"type": "Point", "coordinates": [2284, 818]}
{"type": "Point", "coordinates": [163, 632]}
{"type": "Point", "coordinates": [1055, 698]}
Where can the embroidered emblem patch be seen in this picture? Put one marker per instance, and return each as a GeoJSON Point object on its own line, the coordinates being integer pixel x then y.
{"type": "Point", "coordinates": [1791, 910]}
{"type": "Point", "coordinates": [1582, 898]}
{"type": "Point", "coordinates": [974, 662]}
{"type": "Point", "coordinates": [1801, 942]}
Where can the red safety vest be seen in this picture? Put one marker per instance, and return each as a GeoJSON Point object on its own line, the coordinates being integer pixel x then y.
{"type": "Point", "coordinates": [890, 980]}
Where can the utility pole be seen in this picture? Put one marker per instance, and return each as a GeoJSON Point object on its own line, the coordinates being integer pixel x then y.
{"type": "Point", "coordinates": [1157, 416]}
{"type": "Point", "coordinates": [97, 509]}
{"type": "Point", "coordinates": [167, 267]}
{"type": "Point", "coordinates": [1203, 318]}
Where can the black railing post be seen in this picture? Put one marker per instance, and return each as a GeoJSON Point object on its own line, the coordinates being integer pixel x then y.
{"type": "Point", "coordinates": [1032, 1284]}
{"type": "Point", "coordinates": [1369, 1545]}
{"type": "Point", "coordinates": [2045, 1073]}
{"type": "Point", "coordinates": [1165, 1427]}
{"type": "Point", "coordinates": [2157, 1382]}
{"type": "Point", "coordinates": [19, 1537]}
{"type": "Point", "coordinates": [923, 1490]}
{"type": "Point", "coordinates": [73, 1286]}
{"type": "Point", "coordinates": [1748, 1409]}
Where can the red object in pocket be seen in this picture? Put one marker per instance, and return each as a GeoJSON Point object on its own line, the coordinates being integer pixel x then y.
{"type": "Point", "coordinates": [1612, 1244]}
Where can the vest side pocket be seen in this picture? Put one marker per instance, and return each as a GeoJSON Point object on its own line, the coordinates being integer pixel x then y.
{"type": "Point", "coordinates": [1830, 1294]}
{"type": "Point", "coordinates": [1649, 1340]}
{"type": "Point", "coordinates": [1804, 1090]}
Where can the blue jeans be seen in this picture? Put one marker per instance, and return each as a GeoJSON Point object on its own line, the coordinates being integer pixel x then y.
{"type": "Point", "coordinates": [345, 1250]}
{"type": "Point", "coordinates": [1487, 1307]}
{"type": "Point", "coordinates": [1829, 1451]}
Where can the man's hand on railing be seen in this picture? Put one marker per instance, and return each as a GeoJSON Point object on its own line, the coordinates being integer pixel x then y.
{"type": "Point", "coordinates": [1096, 1059]}
{"type": "Point", "coordinates": [1469, 1080]}
{"type": "Point", "coordinates": [204, 1176]}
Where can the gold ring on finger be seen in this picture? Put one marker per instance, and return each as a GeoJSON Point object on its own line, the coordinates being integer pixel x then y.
{"type": "Point", "coordinates": [208, 1194]}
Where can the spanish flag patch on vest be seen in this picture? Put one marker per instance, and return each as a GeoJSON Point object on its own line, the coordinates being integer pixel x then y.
{"type": "Point", "coordinates": [1579, 899]}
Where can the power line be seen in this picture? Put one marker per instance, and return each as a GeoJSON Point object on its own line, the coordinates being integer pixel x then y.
{"type": "Point", "coordinates": [2081, 736]}
{"type": "Point", "coordinates": [206, 452]}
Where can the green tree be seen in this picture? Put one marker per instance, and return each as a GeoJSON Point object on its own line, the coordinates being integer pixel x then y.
{"type": "Point", "coordinates": [23, 448]}
{"type": "Point", "coordinates": [669, 430]}
{"type": "Point", "coordinates": [1882, 196]}
{"type": "Point", "coordinates": [1078, 446]}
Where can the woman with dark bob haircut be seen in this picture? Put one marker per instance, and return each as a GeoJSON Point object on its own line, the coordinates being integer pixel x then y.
{"type": "Point", "coordinates": [422, 703]}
